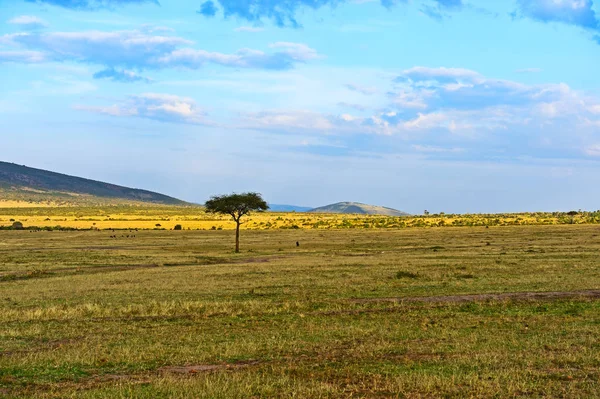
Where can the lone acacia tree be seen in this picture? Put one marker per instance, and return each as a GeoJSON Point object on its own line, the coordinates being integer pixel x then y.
{"type": "Point", "coordinates": [236, 205]}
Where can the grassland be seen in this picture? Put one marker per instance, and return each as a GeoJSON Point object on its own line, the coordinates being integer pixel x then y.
{"type": "Point", "coordinates": [348, 313]}
{"type": "Point", "coordinates": [194, 218]}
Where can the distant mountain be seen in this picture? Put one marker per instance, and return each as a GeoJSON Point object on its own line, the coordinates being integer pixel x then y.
{"type": "Point", "coordinates": [22, 183]}
{"type": "Point", "coordinates": [358, 208]}
{"type": "Point", "coordinates": [288, 208]}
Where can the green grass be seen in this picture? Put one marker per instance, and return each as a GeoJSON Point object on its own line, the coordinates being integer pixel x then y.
{"type": "Point", "coordinates": [83, 315]}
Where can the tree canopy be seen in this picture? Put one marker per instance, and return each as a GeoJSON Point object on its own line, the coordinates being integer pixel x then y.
{"type": "Point", "coordinates": [236, 205]}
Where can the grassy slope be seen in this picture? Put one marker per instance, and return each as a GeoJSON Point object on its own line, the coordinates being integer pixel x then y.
{"type": "Point", "coordinates": [88, 316]}
{"type": "Point", "coordinates": [35, 185]}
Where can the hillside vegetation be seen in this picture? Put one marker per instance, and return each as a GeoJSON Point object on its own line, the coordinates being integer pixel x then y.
{"type": "Point", "coordinates": [30, 185]}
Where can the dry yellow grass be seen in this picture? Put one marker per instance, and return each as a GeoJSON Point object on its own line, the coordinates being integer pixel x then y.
{"type": "Point", "coordinates": [194, 218]}
{"type": "Point", "coordinates": [27, 204]}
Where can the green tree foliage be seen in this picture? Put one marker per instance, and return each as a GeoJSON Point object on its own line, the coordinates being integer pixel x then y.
{"type": "Point", "coordinates": [236, 205]}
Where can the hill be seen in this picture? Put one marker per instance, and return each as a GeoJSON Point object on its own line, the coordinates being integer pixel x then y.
{"type": "Point", "coordinates": [358, 208]}
{"type": "Point", "coordinates": [21, 183]}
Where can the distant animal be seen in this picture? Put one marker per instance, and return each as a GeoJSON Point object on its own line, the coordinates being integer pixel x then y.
{"type": "Point", "coordinates": [297, 243]}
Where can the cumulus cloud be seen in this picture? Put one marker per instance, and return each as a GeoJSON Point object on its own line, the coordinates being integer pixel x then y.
{"type": "Point", "coordinates": [422, 87]}
{"type": "Point", "coordinates": [90, 4]}
{"type": "Point", "coordinates": [452, 102]}
{"type": "Point", "coordinates": [155, 106]}
{"type": "Point", "coordinates": [573, 12]}
{"type": "Point", "coordinates": [141, 50]}
{"type": "Point", "coordinates": [28, 22]}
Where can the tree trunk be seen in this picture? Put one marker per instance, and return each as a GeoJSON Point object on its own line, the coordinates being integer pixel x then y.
{"type": "Point", "coordinates": [237, 236]}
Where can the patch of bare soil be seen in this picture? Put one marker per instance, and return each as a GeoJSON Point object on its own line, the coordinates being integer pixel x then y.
{"type": "Point", "coordinates": [516, 296]}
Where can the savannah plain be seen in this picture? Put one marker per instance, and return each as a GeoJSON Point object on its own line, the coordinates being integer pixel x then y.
{"type": "Point", "coordinates": [111, 302]}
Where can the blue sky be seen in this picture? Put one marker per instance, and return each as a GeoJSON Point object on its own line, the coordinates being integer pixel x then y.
{"type": "Point", "coordinates": [445, 105]}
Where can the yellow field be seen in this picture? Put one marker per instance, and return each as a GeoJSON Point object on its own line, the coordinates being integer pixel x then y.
{"type": "Point", "coordinates": [194, 218]}
{"type": "Point", "coordinates": [200, 221]}
{"type": "Point", "coordinates": [27, 204]}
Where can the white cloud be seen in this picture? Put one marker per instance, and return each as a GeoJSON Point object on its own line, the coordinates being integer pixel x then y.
{"type": "Point", "coordinates": [156, 106]}
{"type": "Point", "coordinates": [284, 120]}
{"type": "Point", "coordinates": [28, 22]}
{"type": "Point", "coordinates": [593, 150]}
{"type": "Point", "coordinates": [296, 51]}
{"type": "Point", "coordinates": [23, 56]}
{"type": "Point", "coordinates": [460, 103]}
{"type": "Point", "coordinates": [141, 50]}
{"type": "Point", "coordinates": [442, 74]}
{"type": "Point", "coordinates": [595, 109]}
{"type": "Point", "coordinates": [285, 58]}
{"type": "Point", "coordinates": [427, 121]}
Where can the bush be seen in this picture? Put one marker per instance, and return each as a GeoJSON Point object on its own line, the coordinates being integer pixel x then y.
{"type": "Point", "coordinates": [177, 227]}
{"type": "Point", "coordinates": [17, 226]}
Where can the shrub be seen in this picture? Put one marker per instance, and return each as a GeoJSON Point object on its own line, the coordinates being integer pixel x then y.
{"type": "Point", "coordinates": [17, 226]}
{"type": "Point", "coordinates": [177, 227]}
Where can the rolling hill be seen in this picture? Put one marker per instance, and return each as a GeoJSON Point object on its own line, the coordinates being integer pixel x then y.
{"type": "Point", "coordinates": [21, 183]}
{"type": "Point", "coordinates": [358, 208]}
